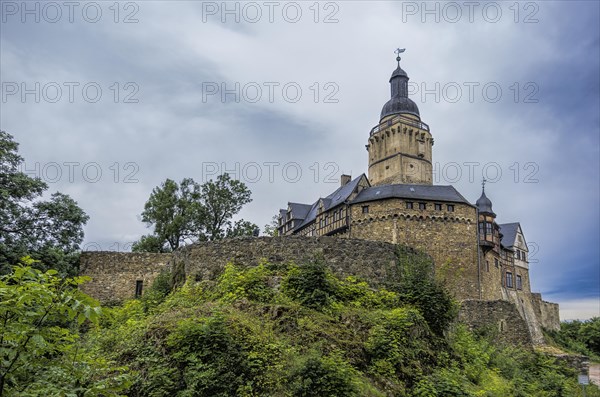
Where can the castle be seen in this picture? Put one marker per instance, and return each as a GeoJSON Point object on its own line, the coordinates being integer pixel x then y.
{"type": "Point", "coordinates": [397, 203]}
{"type": "Point", "coordinates": [355, 228]}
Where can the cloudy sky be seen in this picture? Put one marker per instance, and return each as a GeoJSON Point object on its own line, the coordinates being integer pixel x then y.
{"type": "Point", "coordinates": [107, 100]}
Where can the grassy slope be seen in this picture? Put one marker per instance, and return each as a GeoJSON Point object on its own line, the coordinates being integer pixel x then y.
{"type": "Point", "coordinates": [284, 330]}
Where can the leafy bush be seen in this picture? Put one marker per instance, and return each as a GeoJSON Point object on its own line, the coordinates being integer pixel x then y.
{"type": "Point", "coordinates": [251, 283]}
{"type": "Point", "coordinates": [582, 337]}
{"type": "Point", "coordinates": [41, 317]}
{"type": "Point", "coordinates": [418, 287]}
{"type": "Point", "coordinates": [312, 285]}
{"type": "Point", "coordinates": [323, 376]}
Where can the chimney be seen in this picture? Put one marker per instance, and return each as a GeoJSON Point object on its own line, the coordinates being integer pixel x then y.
{"type": "Point", "coordinates": [344, 179]}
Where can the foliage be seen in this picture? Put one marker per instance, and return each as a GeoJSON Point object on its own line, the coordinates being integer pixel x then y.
{"type": "Point", "coordinates": [323, 376]}
{"type": "Point", "coordinates": [40, 315]}
{"type": "Point", "coordinates": [262, 331]}
{"type": "Point", "coordinates": [417, 286]}
{"type": "Point", "coordinates": [582, 337]}
{"type": "Point", "coordinates": [251, 283]}
{"type": "Point", "coordinates": [50, 231]}
{"type": "Point", "coordinates": [312, 285]}
{"type": "Point", "coordinates": [188, 212]}
{"type": "Point", "coordinates": [270, 229]}
{"type": "Point", "coordinates": [150, 243]}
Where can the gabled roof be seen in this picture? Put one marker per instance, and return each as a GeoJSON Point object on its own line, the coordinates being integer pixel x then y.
{"type": "Point", "coordinates": [299, 211]}
{"type": "Point", "coordinates": [411, 192]}
{"type": "Point", "coordinates": [336, 198]}
{"type": "Point", "coordinates": [509, 233]}
{"type": "Point", "coordinates": [343, 192]}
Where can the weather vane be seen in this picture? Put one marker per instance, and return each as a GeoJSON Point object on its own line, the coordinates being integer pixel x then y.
{"type": "Point", "coordinates": [399, 51]}
{"type": "Point", "coordinates": [483, 181]}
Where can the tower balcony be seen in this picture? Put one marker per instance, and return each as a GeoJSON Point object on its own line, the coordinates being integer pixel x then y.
{"type": "Point", "coordinates": [399, 119]}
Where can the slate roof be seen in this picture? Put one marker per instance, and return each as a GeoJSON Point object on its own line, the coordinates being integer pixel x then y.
{"type": "Point", "coordinates": [299, 211]}
{"type": "Point", "coordinates": [336, 198]}
{"type": "Point", "coordinates": [415, 192]}
{"type": "Point", "coordinates": [509, 233]}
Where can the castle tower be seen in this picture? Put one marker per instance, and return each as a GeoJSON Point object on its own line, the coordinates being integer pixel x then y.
{"type": "Point", "coordinates": [489, 234]}
{"type": "Point", "coordinates": [400, 145]}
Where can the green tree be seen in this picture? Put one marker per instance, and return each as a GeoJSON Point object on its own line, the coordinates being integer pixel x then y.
{"type": "Point", "coordinates": [188, 212]}
{"type": "Point", "coordinates": [417, 286]}
{"type": "Point", "coordinates": [40, 315]}
{"type": "Point", "coordinates": [223, 199]}
{"type": "Point", "coordinates": [50, 231]}
{"type": "Point", "coordinates": [589, 333]}
{"type": "Point", "coordinates": [271, 228]}
{"type": "Point", "coordinates": [174, 210]}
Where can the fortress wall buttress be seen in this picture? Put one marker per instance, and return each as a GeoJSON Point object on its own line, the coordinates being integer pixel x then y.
{"type": "Point", "coordinates": [449, 237]}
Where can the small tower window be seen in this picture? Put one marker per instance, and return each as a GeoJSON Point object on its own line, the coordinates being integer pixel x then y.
{"type": "Point", "coordinates": [409, 205]}
{"type": "Point", "coordinates": [496, 262]}
{"type": "Point", "coordinates": [450, 207]}
{"type": "Point", "coordinates": [422, 206]}
{"type": "Point", "coordinates": [365, 209]}
{"type": "Point", "coordinates": [438, 207]}
{"type": "Point", "coordinates": [519, 282]}
{"type": "Point", "coordinates": [139, 286]}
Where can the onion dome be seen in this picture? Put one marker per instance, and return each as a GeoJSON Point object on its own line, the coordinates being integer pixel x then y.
{"type": "Point", "coordinates": [399, 103]}
{"type": "Point", "coordinates": [484, 204]}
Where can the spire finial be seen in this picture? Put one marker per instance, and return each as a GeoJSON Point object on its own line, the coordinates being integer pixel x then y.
{"type": "Point", "coordinates": [399, 51]}
{"type": "Point", "coordinates": [483, 181]}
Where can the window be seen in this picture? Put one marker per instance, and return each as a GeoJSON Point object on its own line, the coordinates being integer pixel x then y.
{"type": "Point", "coordinates": [365, 209]}
{"type": "Point", "coordinates": [496, 262]}
{"type": "Point", "coordinates": [450, 207]}
{"type": "Point", "coordinates": [509, 279]}
{"type": "Point", "coordinates": [519, 282]}
{"type": "Point", "coordinates": [518, 254]}
{"type": "Point", "coordinates": [139, 286]}
{"type": "Point", "coordinates": [422, 206]}
{"type": "Point", "coordinates": [481, 229]}
{"type": "Point", "coordinates": [438, 207]}
{"type": "Point", "coordinates": [488, 228]}
{"type": "Point", "coordinates": [523, 257]}
{"type": "Point", "coordinates": [409, 205]}
{"type": "Point", "coordinates": [487, 265]}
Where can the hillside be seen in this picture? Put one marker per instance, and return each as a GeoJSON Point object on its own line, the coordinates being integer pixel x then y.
{"type": "Point", "coordinates": [287, 330]}
{"type": "Point", "coordinates": [276, 330]}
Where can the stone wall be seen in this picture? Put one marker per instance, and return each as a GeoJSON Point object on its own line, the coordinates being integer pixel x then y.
{"type": "Point", "coordinates": [546, 312]}
{"type": "Point", "coordinates": [519, 316]}
{"type": "Point", "coordinates": [374, 261]}
{"type": "Point", "coordinates": [449, 237]}
{"type": "Point", "coordinates": [501, 318]}
{"type": "Point", "coordinates": [115, 274]}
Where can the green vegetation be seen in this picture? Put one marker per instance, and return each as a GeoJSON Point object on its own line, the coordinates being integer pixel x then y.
{"type": "Point", "coordinates": [267, 330]}
{"type": "Point", "coordinates": [188, 212]}
{"type": "Point", "coordinates": [47, 230]}
{"type": "Point", "coordinates": [41, 316]}
{"type": "Point", "coordinates": [581, 337]}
